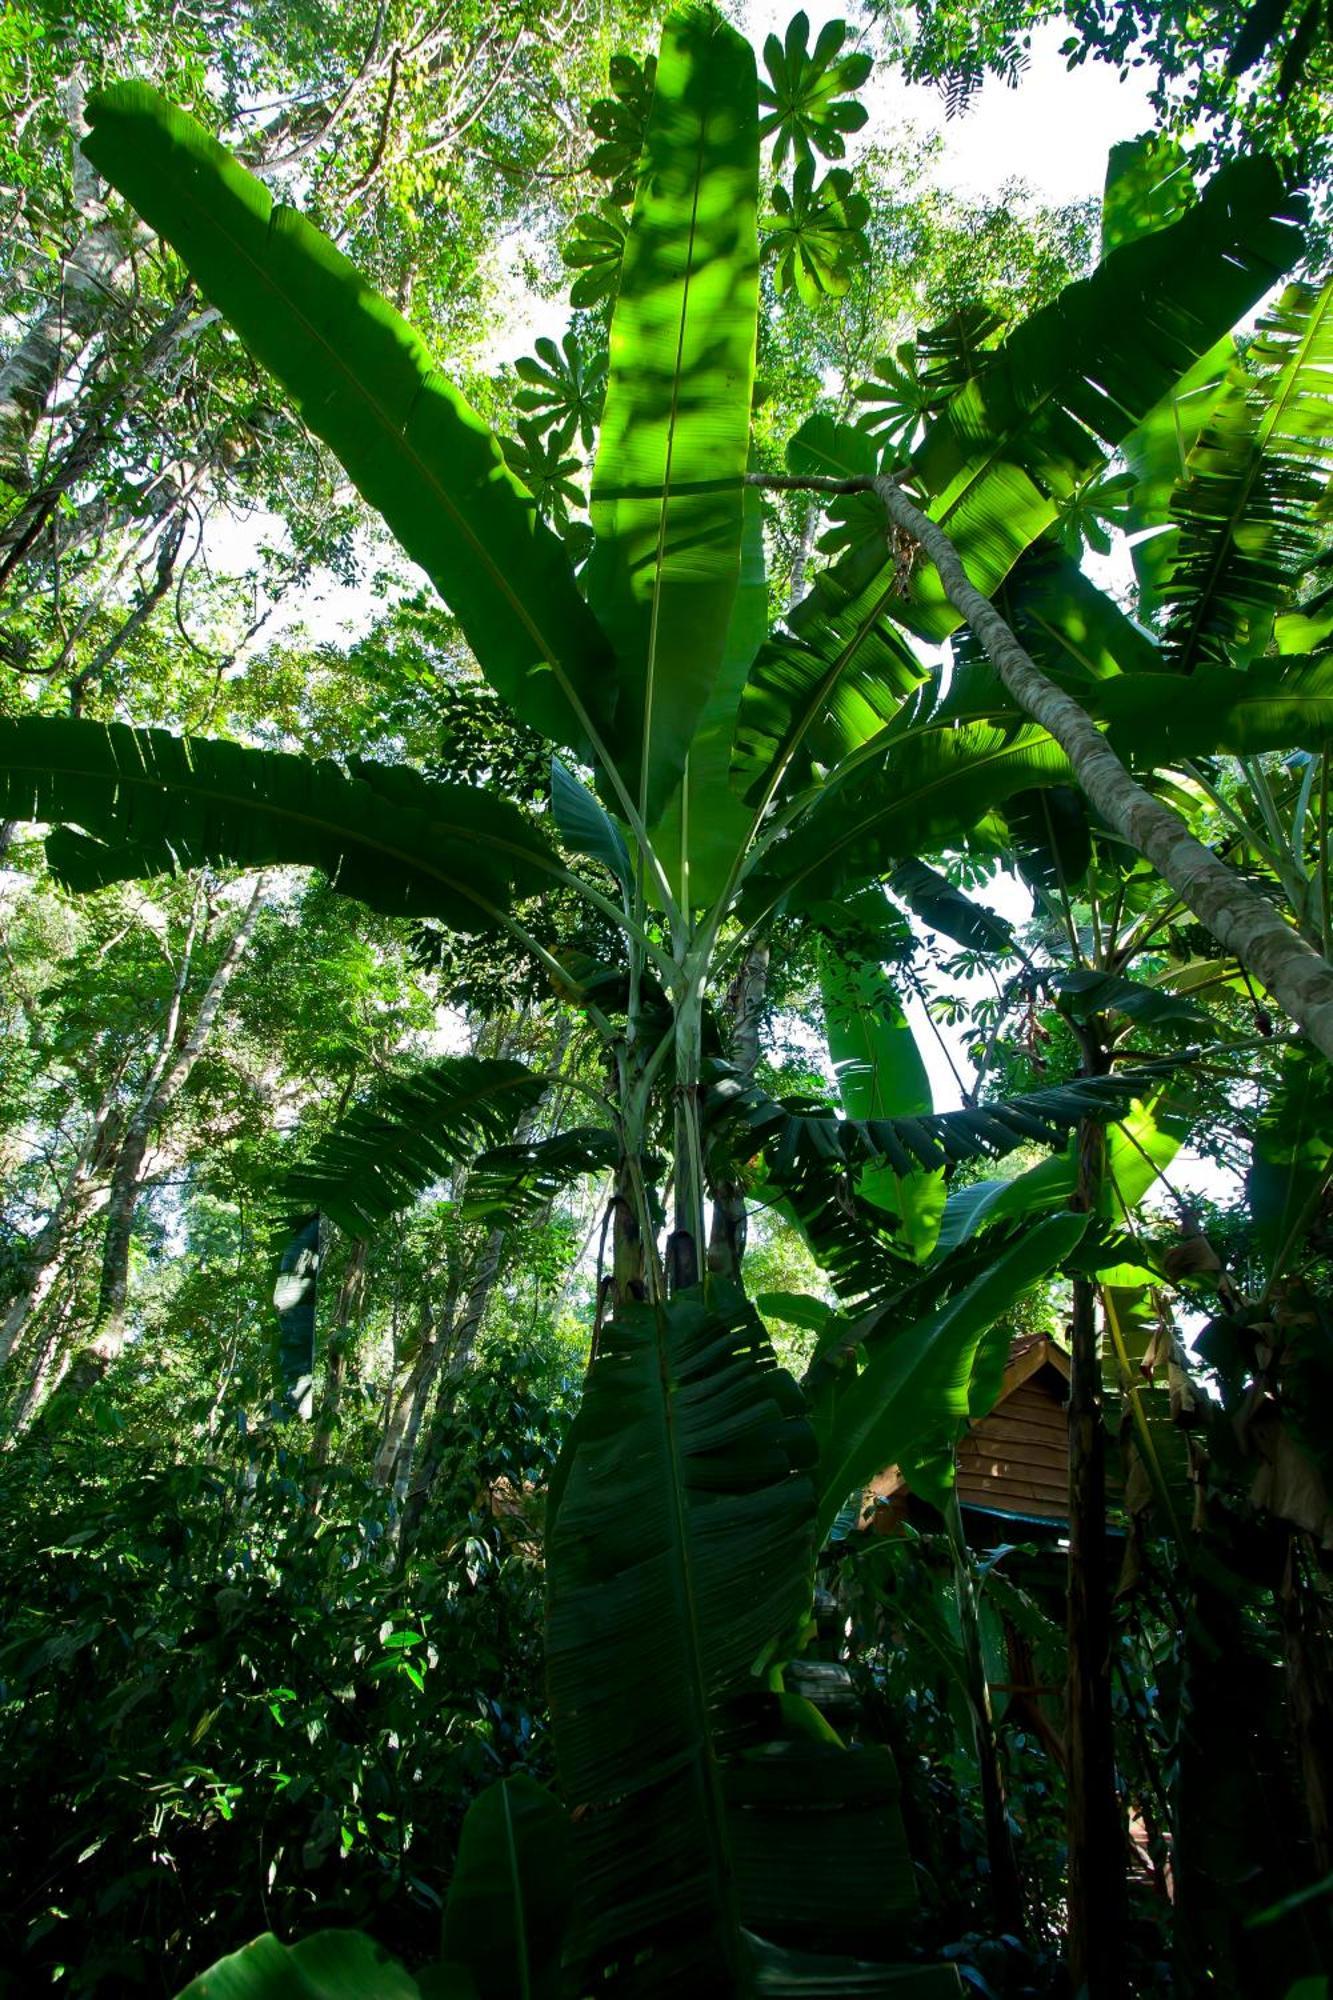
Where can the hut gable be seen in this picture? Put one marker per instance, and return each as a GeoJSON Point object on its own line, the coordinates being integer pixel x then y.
{"type": "Point", "coordinates": [1016, 1460]}
{"type": "Point", "coordinates": [1012, 1462]}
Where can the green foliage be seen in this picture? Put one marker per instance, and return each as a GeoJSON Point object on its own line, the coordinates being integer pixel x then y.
{"type": "Point", "coordinates": [619, 122]}
{"type": "Point", "coordinates": [816, 234]}
{"type": "Point", "coordinates": [150, 802]}
{"type": "Point", "coordinates": [368, 385]}
{"type": "Point", "coordinates": [808, 111]}
{"type": "Point", "coordinates": [666, 495]}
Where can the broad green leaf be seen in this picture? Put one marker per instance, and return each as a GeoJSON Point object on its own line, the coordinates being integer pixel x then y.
{"type": "Point", "coordinates": [150, 803]}
{"type": "Point", "coordinates": [667, 489]}
{"type": "Point", "coordinates": [367, 385]}
{"type": "Point", "coordinates": [689, 1793]}
{"type": "Point", "coordinates": [718, 1489]}
{"type": "Point", "coordinates": [331, 1965]}
{"type": "Point", "coordinates": [1077, 377]}
{"type": "Point", "coordinates": [1280, 703]}
{"type": "Point", "coordinates": [1084, 992]}
{"type": "Point", "coordinates": [942, 907]}
{"type": "Point", "coordinates": [1148, 186]}
{"type": "Point", "coordinates": [880, 1075]}
{"type": "Point", "coordinates": [927, 786]}
{"type": "Point", "coordinates": [1291, 1158]}
{"type": "Point", "coordinates": [915, 1388]}
{"type": "Point", "coordinates": [829, 682]}
{"type": "Point", "coordinates": [511, 1890]}
{"type": "Point", "coordinates": [705, 826]}
{"type": "Point", "coordinates": [1138, 1149]}
{"type": "Point", "coordinates": [584, 824]}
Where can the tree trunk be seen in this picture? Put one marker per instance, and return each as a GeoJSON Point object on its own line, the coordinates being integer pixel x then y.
{"type": "Point", "coordinates": [1005, 1881]}
{"type": "Point", "coordinates": [1096, 1832]}
{"type": "Point", "coordinates": [456, 1359]}
{"type": "Point", "coordinates": [167, 1079]}
{"type": "Point", "coordinates": [29, 378]}
{"type": "Point", "coordinates": [50, 1246]}
{"type": "Point", "coordinates": [1238, 916]}
{"type": "Point", "coordinates": [346, 1325]}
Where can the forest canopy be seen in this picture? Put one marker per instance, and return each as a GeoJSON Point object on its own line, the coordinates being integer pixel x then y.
{"type": "Point", "coordinates": [667, 1000]}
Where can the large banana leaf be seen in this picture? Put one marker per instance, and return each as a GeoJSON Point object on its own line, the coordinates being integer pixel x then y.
{"type": "Point", "coordinates": [1279, 704]}
{"type": "Point", "coordinates": [510, 1181]}
{"type": "Point", "coordinates": [406, 1134]}
{"type": "Point", "coordinates": [1255, 477]}
{"type": "Point", "coordinates": [1148, 185]}
{"type": "Point", "coordinates": [1143, 1144]}
{"type": "Point", "coordinates": [679, 1562]}
{"type": "Point", "coordinates": [367, 385]}
{"type": "Point", "coordinates": [150, 802]}
{"type": "Point", "coordinates": [796, 1136]}
{"type": "Point", "coordinates": [704, 828]}
{"type": "Point", "coordinates": [904, 1405]}
{"type": "Point", "coordinates": [667, 489]}
{"type": "Point", "coordinates": [331, 1965]}
{"type": "Point", "coordinates": [880, 1074]}
{"type": "Point", "coordinates": [1078, 376]}
{"type": "Point", "coordinates": [928, 785]}
{"type": "Point", "coordinates": [1017, 439]}
{"type": "Point", "coordinates": [831, 680]}
{"type": "Point", "coordinates": [510, 1895]}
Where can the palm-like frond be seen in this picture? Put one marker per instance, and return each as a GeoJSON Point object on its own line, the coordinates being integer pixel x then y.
{"type": "Point", "coordinates": [794, 1135]}
{"type": "Point", "coordinates": [405, 1135]}
{"type": "Point", "coordinates": [150, 803]}
{"type": "Point", "coordinates": [1245, 509]}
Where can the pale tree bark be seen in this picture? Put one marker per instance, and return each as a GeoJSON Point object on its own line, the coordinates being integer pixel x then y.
{"type": "Point", "coordinates": [90, 278]}
{"type": "Point", "coordinates": [170, 1073]}
{"type": "Point", "coordinates": [347, 1318]}
{"type": "Point", "coordinates": [1241, 919]}
{"type": "Point", "coordinates": [49, 1248]}
{"type": "Point", "coordinates": [457, 1355]}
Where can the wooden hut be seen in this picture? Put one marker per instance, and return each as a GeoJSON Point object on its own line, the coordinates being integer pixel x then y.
{"type": "Point", "coordinates": [1013, 1464]}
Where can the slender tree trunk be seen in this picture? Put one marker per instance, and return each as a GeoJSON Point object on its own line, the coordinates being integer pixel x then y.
{"type": "Point", "coordinates": [1309, 1687]}
{"type": "Point", "coordinates": [170, 1075]}
{"type": "Point", "coordinates": [458, 1359]}
{"type": "Point", "coordinates": [403, 1396]}
{"type": "Point", "coordinates": [1238, 916]}
{"type": "Point", "coordinates": [50, 1246]}
{"type": "Point", "coordinates": [346, 1325]}
{"type": "Point", "coordinates": [1096, 1832]}
{"type": "Point", "coordinates": [90, 276]}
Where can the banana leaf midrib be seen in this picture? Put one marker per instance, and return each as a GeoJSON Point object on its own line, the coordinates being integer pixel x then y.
{"type": "Point", "coordinates": [664, 507]}
{"type": "Point", "coordinates": [715, 1816]}
{"type": "Point", "coordinates": [334, 360]}
{"type": "Point", "coordinates": [1224, 548]}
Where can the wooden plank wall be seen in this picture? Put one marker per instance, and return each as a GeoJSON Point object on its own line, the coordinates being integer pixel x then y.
{"type": "Point", "coordinates": [1016, 1459]}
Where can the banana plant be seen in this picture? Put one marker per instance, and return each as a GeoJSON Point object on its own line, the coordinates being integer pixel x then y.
{"type": "Point", "coordinates": [712, 775]}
